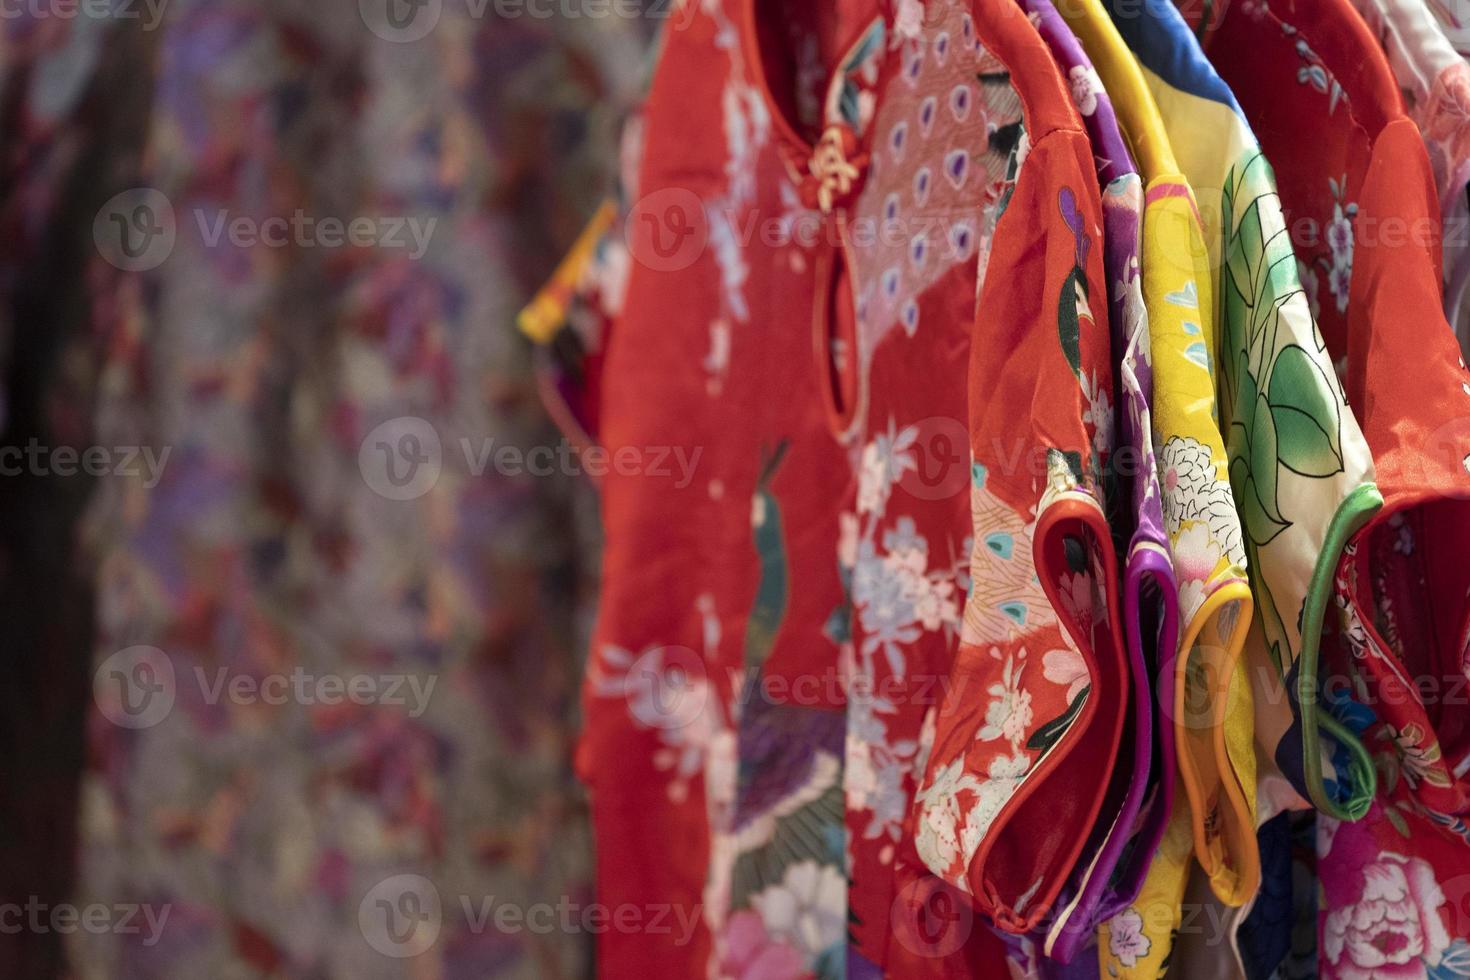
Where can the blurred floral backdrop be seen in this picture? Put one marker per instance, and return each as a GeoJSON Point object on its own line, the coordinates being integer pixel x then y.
{"type": "Point", "coordinates": [258, 544]}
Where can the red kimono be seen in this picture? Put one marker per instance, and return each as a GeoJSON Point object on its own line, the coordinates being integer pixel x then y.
{"type": "Point", "coordinates": [854, 280]}
{"type": "Point", "coordinates": [1360, 199]}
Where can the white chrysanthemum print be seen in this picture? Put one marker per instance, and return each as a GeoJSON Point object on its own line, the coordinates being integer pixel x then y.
{"type": "Point", "coordinates": [1193, 491]}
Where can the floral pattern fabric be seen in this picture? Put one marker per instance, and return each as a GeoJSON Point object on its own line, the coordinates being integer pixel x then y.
{"type": "Point", "coordinates": [969, 599]}
{"type": "Point", "coordinates": [1124, 842]}
{"type": "Point", "coordinates": [833, 542]}
{"type": "Point", "coordinates": [695, 645]}
{"type": "Point", "coordinates": [274, 547]}
{"type": "Point", "coordinates": [1434, 80]}
{"type": "Point", "coordinates": [1205, 699]}
{"type": "Point", "coordinates": [1297, 486]}
{"type": "Point", "coordinates": [1296, 512]}
{"type": "Point", "coordinates": [1399, 609]}
{"type": "Point", "coordinates": [1040, 634]}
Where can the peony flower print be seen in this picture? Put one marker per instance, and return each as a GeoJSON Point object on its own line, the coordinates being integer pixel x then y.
{"type": "Point", "coordinates": [749, 952]}
{"type": "Point", "coordinates": [1384, 910]}
{"type": "Point", "coordinates": [1393, 930]}
{"type": "Point", "coordinates": [1193, 491]}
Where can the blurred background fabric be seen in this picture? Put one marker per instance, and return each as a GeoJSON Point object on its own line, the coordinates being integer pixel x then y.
{"type": "Point", "coordinates": [264, 547]}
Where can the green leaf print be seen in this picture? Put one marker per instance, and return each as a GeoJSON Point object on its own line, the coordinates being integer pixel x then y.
{"type": "Point", "coordinates": [812, 832]}
{"type": "Point", "coordinates": [1398, 821]}
{"type": "Point", "coordinates": [1282, 408]}
{"type": "Point", "coordinates": [1242, 258]}
{"type": "Point", "coordinates": [1304, 410]}
{"type": "Point", "coordinates": [1253, 461]}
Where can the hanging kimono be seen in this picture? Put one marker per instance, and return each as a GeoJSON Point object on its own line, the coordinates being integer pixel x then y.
{"type": "Point", "coordinates": [272, 541]}
{"type": "Point", "coordinates": [1207, 702]}
{"type": "Point", "coordinates": [846, 500]}
{"type": "Point", "coordinates": [1435, 83]}
{"type": "Point", "coordinates": [700, 359]}
{"type": "Point", "coordinates": [1354, 164]}
{"type": "Point", "coordinates": [1123, 841]}
{"type": "Point", "coordinates": [1307, 492]}
{"type": "Point", "coordinates": [1025, 743]}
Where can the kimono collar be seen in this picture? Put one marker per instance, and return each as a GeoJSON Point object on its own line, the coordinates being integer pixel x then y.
{"type": "Point", "coordinates": [1005, 31]}
{"type": "Point", "coordinates": [1341, 38]}
{"type": "Point", "coordinates": [1113, 156]}
{"type": "Point", "coordinates": [1123, 79]}
{"type": "Point", "coordinates": [830, 174]}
